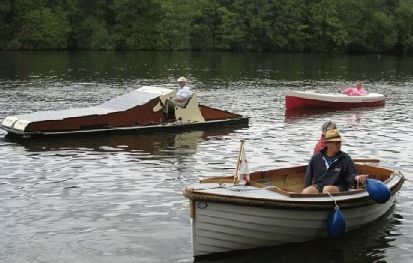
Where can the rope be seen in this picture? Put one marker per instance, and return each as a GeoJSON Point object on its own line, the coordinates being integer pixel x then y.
{"type": "Point", "coordinates": [335, 202]}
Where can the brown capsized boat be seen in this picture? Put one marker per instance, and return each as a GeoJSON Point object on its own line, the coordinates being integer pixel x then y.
{"type": "Point", "coordinates": [138, 110]}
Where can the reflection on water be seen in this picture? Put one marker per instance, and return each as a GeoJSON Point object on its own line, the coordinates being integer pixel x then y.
{"type": "Point", "coordinates": [118, 197]}
{"type": "Point", "coordinates": [294, 114]}
{"type": "Point", "coordinates": [154, 143]}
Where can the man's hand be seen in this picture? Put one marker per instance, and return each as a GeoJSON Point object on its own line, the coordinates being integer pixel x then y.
{"type": "Point", "coordinates": [361, 178]}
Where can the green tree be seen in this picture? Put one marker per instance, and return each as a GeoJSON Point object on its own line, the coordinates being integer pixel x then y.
{"type": "Point", "coordinates": [12, 14]}
{"type": "Point", "coordinates": [232, 37]}
{"type": "Point", "coordinates": [286, 29]}
{"type": "Point", "coordinates": [6, 23]}
{"type": "Point", "coordinates": [92, 24]}
{"type": "Point", "coordinates": [253, 23]}
{"type": "Point", "coordinates": [175, 25]}
{"type": "Point", "coordinates": [43, 29]}
{"type": "Point", "coordinates": [237, 25]}
{"type": "Point", "coordinates": [138, 24]}
{"type": "Point", "coordinates": [370, 26]}
{"type": "Point", "coordinates": [325, 31]}
{"type": "Point", "coordinates": [404, 23]}
{"type": "Point", "coordinates": [204, 26]}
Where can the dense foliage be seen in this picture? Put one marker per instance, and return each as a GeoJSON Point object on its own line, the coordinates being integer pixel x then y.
{"type": "Point", "coordinates": [345, 26]}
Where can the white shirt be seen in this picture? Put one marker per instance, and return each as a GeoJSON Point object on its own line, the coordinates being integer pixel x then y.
{"type": "Point", "coordinates": [184, 92]}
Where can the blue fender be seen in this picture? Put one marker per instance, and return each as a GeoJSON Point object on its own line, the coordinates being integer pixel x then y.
{"type": "Point", "coordinates": [378, 191]}
{"type": "Point", "coordinates": [336, 224]}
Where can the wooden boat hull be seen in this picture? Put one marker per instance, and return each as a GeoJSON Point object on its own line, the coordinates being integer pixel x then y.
{"type": "Point", "coordinates": [138, 111]}
{"type": "Point", "coordinates": [296, 100]}
{"type": "Point", "coordinates": [223, 227]}
{"type": "Point", "coordinates": [225, 217]}
{"type": "Point", "coordinates": [145, 129]}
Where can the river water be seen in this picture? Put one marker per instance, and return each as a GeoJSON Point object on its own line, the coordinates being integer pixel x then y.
{"type": "Point", "coordinates": [118, 198]}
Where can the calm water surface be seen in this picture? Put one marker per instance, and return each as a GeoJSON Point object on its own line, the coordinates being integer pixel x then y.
{"type": "Point", "coordinates": [118, 198]}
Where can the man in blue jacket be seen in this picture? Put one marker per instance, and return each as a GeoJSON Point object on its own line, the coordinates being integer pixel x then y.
{"type": "Point", "coordinates": [331, 170]}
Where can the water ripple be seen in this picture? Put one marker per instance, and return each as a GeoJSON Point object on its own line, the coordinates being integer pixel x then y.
{"type": "Point", "coordinates": [85, 199]}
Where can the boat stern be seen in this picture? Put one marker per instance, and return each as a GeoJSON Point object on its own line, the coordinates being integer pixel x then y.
{"type": "Point", "coordinates": [14, 124]}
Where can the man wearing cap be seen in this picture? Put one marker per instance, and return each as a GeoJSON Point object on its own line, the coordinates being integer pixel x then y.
{"type": "Point", "coordinates": [182, 96]}
{"type": "Point", "coordinates": [331, 170]}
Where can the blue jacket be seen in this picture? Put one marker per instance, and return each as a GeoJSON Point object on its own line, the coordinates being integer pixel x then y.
{"type": "Point", "coordinates": [341, 172]}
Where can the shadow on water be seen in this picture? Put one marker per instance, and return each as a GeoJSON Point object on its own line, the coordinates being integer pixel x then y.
{"type": "Point", "coordinates": [154, 143]}
{"type": "Point", "coordinates": [296, 114]}
{"type": "Point", "coordinates": [366, 244]}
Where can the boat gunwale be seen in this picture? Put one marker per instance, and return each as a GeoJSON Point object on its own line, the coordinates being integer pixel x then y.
{"type": "Point", "coordinates": [326, 202]}
{"type": "Point", "coordinates": [335, 97]}
{"type": "Point", "coordinates": [141, 128]}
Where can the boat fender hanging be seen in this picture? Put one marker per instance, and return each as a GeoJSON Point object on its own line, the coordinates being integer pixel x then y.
{"type": "Point", "coordinates": [378, 191]}
{"type": "Point", "coordinates": [336, 224]}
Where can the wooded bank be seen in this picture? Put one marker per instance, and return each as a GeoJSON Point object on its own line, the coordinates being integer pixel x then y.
{"type": "Point", "coordinates": [326, 26]}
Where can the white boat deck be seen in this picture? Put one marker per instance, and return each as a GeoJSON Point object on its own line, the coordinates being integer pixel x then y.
{"type": "Point", "coordinates": [121, 103]}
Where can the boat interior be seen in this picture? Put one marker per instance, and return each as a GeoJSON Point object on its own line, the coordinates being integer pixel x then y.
{"type": "Point", "coordinates": [290, 181]}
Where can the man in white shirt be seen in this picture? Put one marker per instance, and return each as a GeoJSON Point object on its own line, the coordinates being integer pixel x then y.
{"type": "Point", "coordinates": [183, 94]}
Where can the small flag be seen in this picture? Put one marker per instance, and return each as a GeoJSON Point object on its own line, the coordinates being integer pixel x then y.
{"type": "Point", "coordinates": [243, 174]}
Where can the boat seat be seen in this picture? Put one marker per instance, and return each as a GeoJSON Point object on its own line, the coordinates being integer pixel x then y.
{"type": "Point", "coordinates": [162, 101]}
{"type": "Point", "coordinates": [187, 102]}
{"type": "Point", "coordinates": [190, 112]}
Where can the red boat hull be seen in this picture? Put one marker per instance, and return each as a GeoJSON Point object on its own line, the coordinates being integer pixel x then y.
{"type": "Point", "coordinates": [297, 100]}
{"type": "Point", "coordinates": [295, 103]}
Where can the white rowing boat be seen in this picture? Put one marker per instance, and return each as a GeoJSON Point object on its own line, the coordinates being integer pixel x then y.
{"type": "Point", "coordinates": [271, 210]}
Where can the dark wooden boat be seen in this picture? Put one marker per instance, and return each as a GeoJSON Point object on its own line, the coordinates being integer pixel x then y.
{"type": "Point", "coordinates": [138, 110]}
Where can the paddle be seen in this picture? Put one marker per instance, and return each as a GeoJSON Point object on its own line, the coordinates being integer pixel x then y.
{"type": "Point", "coordinates": [361, 160]}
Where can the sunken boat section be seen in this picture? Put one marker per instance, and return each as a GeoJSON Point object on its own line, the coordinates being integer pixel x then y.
{"type": "Point", "coordinates": [138, 110]}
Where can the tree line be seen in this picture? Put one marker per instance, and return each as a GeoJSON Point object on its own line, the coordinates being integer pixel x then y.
{"type": "Point", "coordinates": [326, 26]}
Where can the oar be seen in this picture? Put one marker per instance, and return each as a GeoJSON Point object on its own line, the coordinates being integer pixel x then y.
{"type": "Point", "coordinates": [361, 160]}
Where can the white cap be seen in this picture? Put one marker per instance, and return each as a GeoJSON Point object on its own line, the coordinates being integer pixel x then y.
{"type": "Point", "coordinates": [182, 79]}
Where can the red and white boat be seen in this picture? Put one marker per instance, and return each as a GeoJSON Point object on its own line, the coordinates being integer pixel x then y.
{"type": "Point", "coordinates": [138, 110]}
{"type": "Point", "coordinates": [311, 99]}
